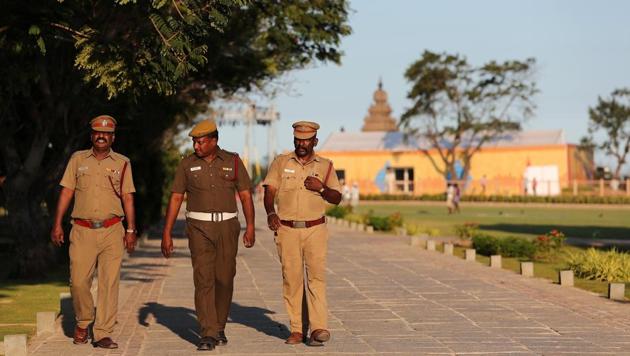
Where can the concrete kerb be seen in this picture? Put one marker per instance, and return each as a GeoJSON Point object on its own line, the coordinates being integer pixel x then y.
{"type": "Point", "coordinates": [430, 245]}
{"type": "Point", "coordinates": [46, 322]}
{"type": "Point", "coordinates": [15, 345]}
{"type": "Point", "coordinates": [566, 278]}
{"type": "Point", "coordinates": [471, 255]}
{"type": "Point", "coordinates": [448, 249]}
{"type": "Point", "coordinates": [616, 291]}
{"type": "Point", "coordinates": [495, 261]}
{"type": "Point", "coordinates": [527, 269]}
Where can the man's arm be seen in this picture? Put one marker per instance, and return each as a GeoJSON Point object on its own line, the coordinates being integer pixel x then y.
{"type": "Point", "coordinates": [249, 238]}
{"type": "Point", "coordinates": [330, 195]}
{"type": "Point", "coordinates": [130, 216]}
{"type": "Point", "coordinates": [171, 214]}
{"type": "Point", "coordinates": [273, 220]}
{"type": "Point", "coordinates": [65, 197]}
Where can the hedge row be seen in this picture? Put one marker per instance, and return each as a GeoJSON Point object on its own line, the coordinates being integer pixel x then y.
{"type": "Point", "coordinates": [560, 199]}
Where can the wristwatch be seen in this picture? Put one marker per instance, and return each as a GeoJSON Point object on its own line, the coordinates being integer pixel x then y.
{"type": "Point", "coordinates": [132, 230]}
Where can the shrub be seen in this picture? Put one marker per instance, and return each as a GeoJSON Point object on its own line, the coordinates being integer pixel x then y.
{"type": "Point", "coordinates": [467, 230]}
{"type": "Point", "coordinates": [395, 219]}
{"type": "Point", "coordinates": [549, 244]}
{"type": "Point", "coordinates": [339, 211]}
{"type": "Point", "coordinates": [486, 245]}
{"type": "Point", "coordinates": [357, 218]}
{"type": "Point", "coordinates": [517, 247]}
{"type": "Point", "coordinates": [417, 229]}
{"type": "Point", "coordinates": [380, 223]}
{"type": "Point", "coordinates": [609, 266]}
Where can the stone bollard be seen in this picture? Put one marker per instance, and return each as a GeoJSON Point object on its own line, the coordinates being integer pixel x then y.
{"type": "Point", "coordinates": [361, 227]}
{"type": "Point", "coordinates": [401, 231]}
{"type": "Point", "coordinates": [430, 245]}
{"type": "Point", "coordinates": [353, 225]}
{"type": "Point", "coordinates": [330, 220]}
{"type": "Point", "coordinates": [369, 229]}
{"type": "Point", "coordinates": [15, 345]}
{"type": "Point", "coordinates": [527, 269]}
{"type": "Point", "coordinates": [616, 291]}
{"type": "Point", "coordinates": [46, 322]}
{"type": "Point", "coordinates": [415, 240]}
{"type": "Point", "coordinates": [471, 254]}
{"type": "Point", "coordinates": [65, 304]}
{"type": "Point", "coordinates": [495, 261]}
{"type": "Point", "coordinates": [448, 249]}
{"type": "Point", "coordinates": [566, 278]}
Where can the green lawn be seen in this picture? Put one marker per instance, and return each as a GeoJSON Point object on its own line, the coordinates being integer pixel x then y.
{"type": "Point", "coordinates": [525, 221]}
{"type": "Point", "coordinates": [20, 300]}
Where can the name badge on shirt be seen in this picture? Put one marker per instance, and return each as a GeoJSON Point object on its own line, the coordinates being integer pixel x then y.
{"type": "Point", "coordinates": [192, 169]}
{"type": "Point", "coordinates": [227, 168]}
{"type": "Point", "coordinates": [289, 170]}
{"type": "Point", "coordinates": [83, 168]}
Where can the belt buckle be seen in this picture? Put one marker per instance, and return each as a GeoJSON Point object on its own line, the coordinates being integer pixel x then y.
{"type": "Point", "coordinates": [299, 224]}
{"type": "Point", "coordinates": [96, 224]}
{"type": "Point", "coordinates": [216, 216]}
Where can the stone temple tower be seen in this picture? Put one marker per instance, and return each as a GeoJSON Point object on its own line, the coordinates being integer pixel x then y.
{"type": "Point", "coordinates": [379, 114]}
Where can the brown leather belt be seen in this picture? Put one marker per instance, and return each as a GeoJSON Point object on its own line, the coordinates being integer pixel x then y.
{"type": "Point", "coordinates": [303, 224]}
{"type": "Point", "coordinates": [97, 224]}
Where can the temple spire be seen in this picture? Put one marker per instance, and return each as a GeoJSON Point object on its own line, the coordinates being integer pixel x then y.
{"type": "Point", "coordinates": [379, 114]}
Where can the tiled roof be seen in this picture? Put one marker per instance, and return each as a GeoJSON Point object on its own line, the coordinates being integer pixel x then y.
{"type": "Point", "coordinates": [395, 141]}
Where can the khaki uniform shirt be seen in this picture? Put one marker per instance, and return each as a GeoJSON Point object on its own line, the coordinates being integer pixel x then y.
{"type": "Point", "coordinates": [94, 196]}
{"type": "Point", "coordinates": [211, 187]}
{"type": "Point", "coordinates": [295, 202]}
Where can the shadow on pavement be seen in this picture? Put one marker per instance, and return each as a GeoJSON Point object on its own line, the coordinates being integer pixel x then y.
{"type": "Point", "coordinates": [256, 318]}
{"type": "Point", "coordinates": [181, 321]}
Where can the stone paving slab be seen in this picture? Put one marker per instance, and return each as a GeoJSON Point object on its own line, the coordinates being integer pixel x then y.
{"type": "Point", "coordinates": [385, 298]}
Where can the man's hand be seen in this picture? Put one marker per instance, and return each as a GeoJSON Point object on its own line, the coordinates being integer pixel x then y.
{"type": "Point", "coordinates": [273, 221]}
{"type": "Point", "coordinates": [56, 235]}
{"type": "Point", "coordinates": [167, 245]}
{"type": "Point", "coordinates": [249, 237]}
{"type": "Point", "coordinates": [130, 241]}
{"type": "Point", "coordinates": [313, 184]}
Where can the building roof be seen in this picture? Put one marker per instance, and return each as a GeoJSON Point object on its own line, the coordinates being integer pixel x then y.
{"type": "Point", "coordinates": [395, 141]}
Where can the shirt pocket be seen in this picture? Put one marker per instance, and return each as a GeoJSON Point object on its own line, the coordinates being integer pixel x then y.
{"type": "Point", "coordinates": [228, 176]}
{"type": "Point", "coordinates": [84, 180]}
{"type": "Point", "coordinates": [289, 182]}
{"type": "Point", "coordinates": [112, 183]}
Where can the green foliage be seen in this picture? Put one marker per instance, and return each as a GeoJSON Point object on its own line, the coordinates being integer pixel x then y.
{"type": "Point", "coordinates": [486, 245]}
{"type": "Point", "coordinates": [458, 107]}
{"type": "Point", "coordinates": [338, 211]}
{"type": "Point", "coordinates": [380, 223]}
{"type": "Point", "coordinates": [507, 247]}
{"type": "Point", "coordinates": [560, 199]}
{"type": "Point", "coordinates": [517, 247]}
{"type": "Point", "coordinates": [357, 218]}
{"type": "Point", "coordinates": [612, 118]}
{"type": "Point", "coordinates": [467, 230]}
{"type": "Point", "coordinates": [609, 266]}
{"type": "Point", "coordinates": [549, 244]}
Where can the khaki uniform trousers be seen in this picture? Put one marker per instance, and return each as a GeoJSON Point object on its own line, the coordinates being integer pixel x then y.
{"type": "Point", "coordinates": [303, 249]}
{"type": "Point", "coordinates": [92, 249]}
{"type": "Point", "coordinates": [213, 247]}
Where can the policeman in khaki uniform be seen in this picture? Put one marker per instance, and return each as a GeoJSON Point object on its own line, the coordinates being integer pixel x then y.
{"type": "Point", "coordinates": [101, 183]}
{"type": "Point", "coordinates": [303, 183]}
{"type": "Point", "coordinates": [210, 178]}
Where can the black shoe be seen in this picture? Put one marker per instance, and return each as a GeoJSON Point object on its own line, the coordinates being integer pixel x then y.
{"type": "Point", "coordinates": [206, 344]}
{"type": "Point", "coordinates": [221, 338]}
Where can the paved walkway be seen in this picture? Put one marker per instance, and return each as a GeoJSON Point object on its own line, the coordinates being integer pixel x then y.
{"type": "Point", "coordinates": [385, 298]}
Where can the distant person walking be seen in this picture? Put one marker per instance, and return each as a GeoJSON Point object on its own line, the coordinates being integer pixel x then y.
{"type": "Point", "coordinates": [483, 182]}
{"type": "Point", "coordinates": [210, 178]}
{"type": "Point", "coordinates": [456, 197]}
{"type": "Point", "coordinates": [450, 195]}
{"type": "Point", "coordinates": [303, 183]}
{"type": "Point", "coordinates": [354, 195]}
{"type": "Point", "coordinates": [101, 184]}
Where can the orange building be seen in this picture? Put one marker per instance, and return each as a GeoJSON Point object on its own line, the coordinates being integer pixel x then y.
{"type": "Point", "coordinates": [381, 161]}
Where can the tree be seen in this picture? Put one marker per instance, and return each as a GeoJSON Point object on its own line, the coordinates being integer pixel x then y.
{"type": "Point", "coordinates": [151, 64]}
{"type": "Point", "coordinates": [612, 118]}
{"type": "Point", "coordinates": [457, 107]}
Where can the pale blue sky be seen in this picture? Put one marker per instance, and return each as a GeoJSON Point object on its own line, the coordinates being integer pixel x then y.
{"type": "Point", "coordinates": [582, 50]}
